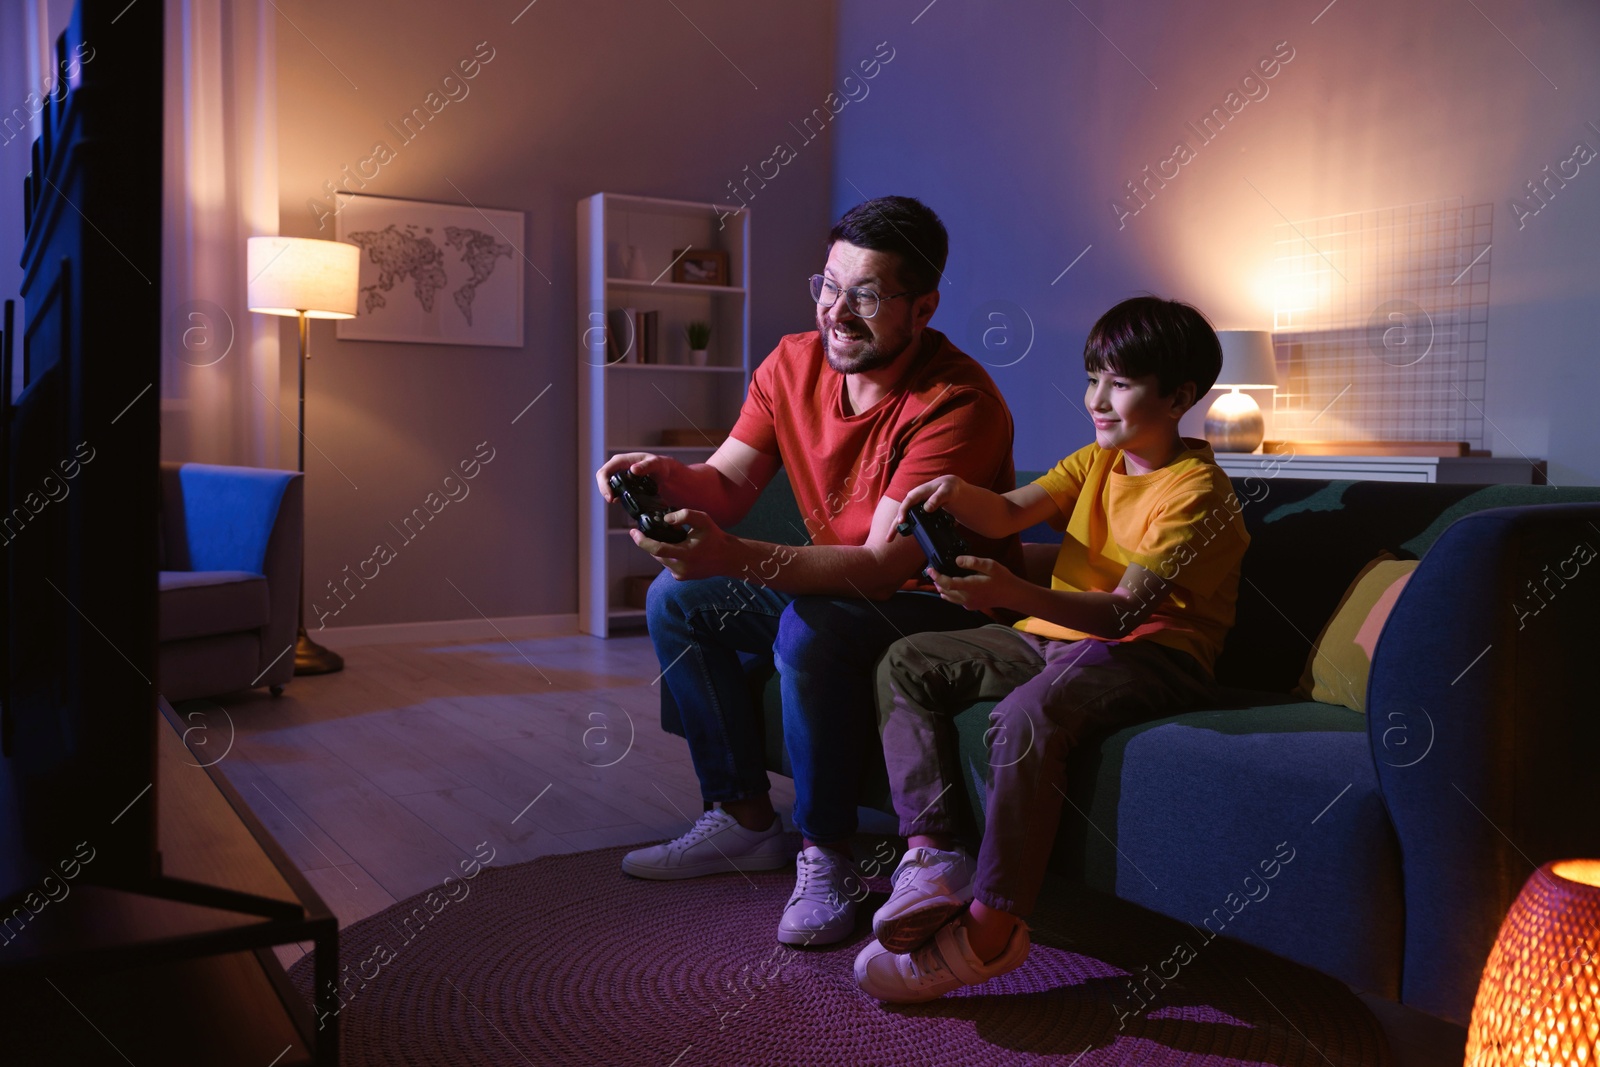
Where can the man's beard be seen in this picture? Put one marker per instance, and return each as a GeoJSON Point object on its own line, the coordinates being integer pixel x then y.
{"type": "Point", "coordinates": [869, 355]}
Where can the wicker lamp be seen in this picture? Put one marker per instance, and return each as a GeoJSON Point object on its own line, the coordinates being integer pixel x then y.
{"type": "Point", "coordinates": [1539, 1000]}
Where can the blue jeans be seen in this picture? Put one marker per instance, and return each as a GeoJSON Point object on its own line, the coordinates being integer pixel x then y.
{"type": "Point", "coordinates": [826, 651]}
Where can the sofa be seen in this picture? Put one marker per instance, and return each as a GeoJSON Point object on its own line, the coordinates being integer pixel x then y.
{"type": "Point", "coordinates": [1397, 839]}
{"type": "Point", "coordinates": [229, 600]}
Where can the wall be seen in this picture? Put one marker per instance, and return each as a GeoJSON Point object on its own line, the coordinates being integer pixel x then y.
{"type": "Point", "coordinates": [1020, 121]}
{"type": "Point", "coordinates": [577, 99]}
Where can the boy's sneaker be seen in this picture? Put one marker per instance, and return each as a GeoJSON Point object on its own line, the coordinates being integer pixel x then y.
{"type": "Point", "coordinates": [931, 887]}
{"type": "Point", "coordinates": [822, 909]}
{"type": "Point", "coordinates": [940, 965]}
{"type": "Point", "coordinates": [716, 844]}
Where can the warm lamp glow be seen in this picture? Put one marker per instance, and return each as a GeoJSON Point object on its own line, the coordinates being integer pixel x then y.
{"type": "Point", "coordinates": [1539, 1000]}
{"type": "Point", "coordinates": [291, 275]}
{"type": "Point", "coordinates": [1585, 871]}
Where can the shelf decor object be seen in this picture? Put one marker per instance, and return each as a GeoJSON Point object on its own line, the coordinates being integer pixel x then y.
{"type": "Point", "coordinates": [443, 274]}
{"type": "Point", "coordinates": [634, 265]}
{"type": "Point", "coordinates": [307, 279]}
{"type": "Point", "coordinates": [641, 385]}
{"type": "Point", "coordinates": [698, 334]}
{"type": "Point", "coordinates": [700, 266]}
{"type": "Point", "coordinates": [693, 436]}
{"type": "Point", "coordinates": [1234, 423]}
{"type": "Point", "coordinates": [1539, 999]}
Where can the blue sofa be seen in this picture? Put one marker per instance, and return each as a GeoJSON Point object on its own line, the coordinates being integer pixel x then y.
{"type": "Point", "coordinates": [1396, 839]}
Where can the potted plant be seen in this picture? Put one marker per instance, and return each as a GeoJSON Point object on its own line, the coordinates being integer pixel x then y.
{"type": "Point", "coordinates": [698, 334]}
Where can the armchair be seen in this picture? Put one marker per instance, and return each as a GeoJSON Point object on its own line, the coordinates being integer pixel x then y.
{"type": "Point", "coordinates": [231, 547]}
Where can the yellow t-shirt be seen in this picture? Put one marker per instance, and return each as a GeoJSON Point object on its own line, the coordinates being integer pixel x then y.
{"type": "Point", "coordinates": [1181, 522]}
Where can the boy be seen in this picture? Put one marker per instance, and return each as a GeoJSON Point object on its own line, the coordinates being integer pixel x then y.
{"type": "Point", "coordinates": [1141, 596]}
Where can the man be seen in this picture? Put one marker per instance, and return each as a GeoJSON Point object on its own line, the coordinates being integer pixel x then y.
{"type": "Point", "coordinates": [870, 405]}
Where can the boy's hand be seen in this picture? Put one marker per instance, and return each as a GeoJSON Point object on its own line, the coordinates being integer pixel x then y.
{"type": "Point", "coordinates": [939, 493]}
{"type": "Point", "coordinates": [990, 586]}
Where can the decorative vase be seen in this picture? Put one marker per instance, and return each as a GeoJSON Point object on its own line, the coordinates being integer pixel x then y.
{"type": "Point", "coordinates": [636, 267]}
{"type": "Point", "coordinates": [698, 357]}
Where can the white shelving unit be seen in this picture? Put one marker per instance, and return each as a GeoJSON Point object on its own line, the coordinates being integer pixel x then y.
{"type": "Point", "coordinates": [624, 407]}
{"type": "Point", "coordinates": [1457, 470]}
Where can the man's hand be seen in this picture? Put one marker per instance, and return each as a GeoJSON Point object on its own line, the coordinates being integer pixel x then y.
{"type": "Point", "coordinates": [708, 551]}
{"type": "Point", "coordinates": [939, 493]}
{"type": "Point", "coordinates": [990, 585]}
{"type": "Point", "coordinates": [668, 473]}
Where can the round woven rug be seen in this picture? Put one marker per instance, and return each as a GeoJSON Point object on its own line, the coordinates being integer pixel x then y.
{"type": "Point", "coordinates": [565, 959]}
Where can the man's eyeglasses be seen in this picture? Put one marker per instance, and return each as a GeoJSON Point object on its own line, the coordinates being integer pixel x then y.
{"type": "Point", "coordinates": [863, 303]}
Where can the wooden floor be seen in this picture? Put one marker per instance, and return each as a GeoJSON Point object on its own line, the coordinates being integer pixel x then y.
{"type": "Point", "coordinates": [380, 779]}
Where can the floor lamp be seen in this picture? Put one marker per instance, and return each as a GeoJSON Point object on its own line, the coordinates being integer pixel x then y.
{"type": "Point", "coordinates": [310, 280]}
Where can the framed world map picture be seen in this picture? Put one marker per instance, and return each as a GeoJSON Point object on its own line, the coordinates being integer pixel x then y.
{"type": "Point", "coordinates": [434, 273]}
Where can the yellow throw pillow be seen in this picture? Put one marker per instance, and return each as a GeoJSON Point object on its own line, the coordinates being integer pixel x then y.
{"type": "Point", "coordinates": [1341, 659]}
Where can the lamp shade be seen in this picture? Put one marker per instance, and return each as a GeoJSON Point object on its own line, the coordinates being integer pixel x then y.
{"type": "Point", "coordinates": [1247, 361]}
{"type": "Point", "coordinates": [1539, 1000]}
{"type": "Point", "coordinates": [290, 275]}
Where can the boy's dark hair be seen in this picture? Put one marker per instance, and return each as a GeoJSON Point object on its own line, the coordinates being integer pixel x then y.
{"type": "Point", "coordinates": [905, 226]}
{"type": "Point", "coordinates": [1149, 335]}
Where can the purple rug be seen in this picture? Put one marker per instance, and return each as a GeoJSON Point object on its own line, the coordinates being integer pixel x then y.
{"type": "Point", "coordinates": [565, 959]}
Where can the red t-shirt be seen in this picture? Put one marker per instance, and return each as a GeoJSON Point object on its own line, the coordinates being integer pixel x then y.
{"type": "Point", "coordinates": [946, 417]}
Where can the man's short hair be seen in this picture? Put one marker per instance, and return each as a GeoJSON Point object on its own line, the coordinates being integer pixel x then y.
{"type": "Point", "coordinates": [905, 226]}
{"type": "Point", "coordinates": [1149, 335]}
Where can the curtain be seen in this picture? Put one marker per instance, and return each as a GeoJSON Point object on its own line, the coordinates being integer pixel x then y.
{"type": "Point", "coordinates": [220, 363]}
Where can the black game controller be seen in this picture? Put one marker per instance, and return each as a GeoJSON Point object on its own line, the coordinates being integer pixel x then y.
{"type": "Point", "coordinates": [936, 535]}
{"type": "Point", "coordinates": [638, 495]}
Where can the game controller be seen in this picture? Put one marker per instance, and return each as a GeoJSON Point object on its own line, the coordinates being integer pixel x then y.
{"type": "Point", "coordinates": [637, 492]}
{"type": "Point", "coordinates": [936, 535]}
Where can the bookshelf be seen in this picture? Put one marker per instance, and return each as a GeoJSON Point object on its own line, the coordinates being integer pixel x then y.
{"type": "Point", "coordinates": [625, 406]}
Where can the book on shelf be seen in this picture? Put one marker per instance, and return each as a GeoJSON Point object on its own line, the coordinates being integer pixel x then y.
{"type": "Point", "coordinates": [613, 351]}
{"type": "Point", "coordinates": [650, 335]}
{"type": "Point", "coordinates": [633, 336]}
{"type": "Point", "coordinates": [621, 337]}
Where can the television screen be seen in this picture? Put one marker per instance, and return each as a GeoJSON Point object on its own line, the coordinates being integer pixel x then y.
{"type": "Point", "coordinates": [80, 463]}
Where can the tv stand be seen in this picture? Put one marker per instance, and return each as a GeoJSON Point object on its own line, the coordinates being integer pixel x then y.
{"type": "Point", "coordinates": [179, 968]}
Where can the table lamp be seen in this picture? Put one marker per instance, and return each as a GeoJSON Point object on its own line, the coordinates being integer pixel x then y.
{"type": "Point", "coordinates": [1234, 422]}
{"type": "Point", "coordinates": [1537, 1001]}
{"type": "Point", "coordinates": [311, 280]}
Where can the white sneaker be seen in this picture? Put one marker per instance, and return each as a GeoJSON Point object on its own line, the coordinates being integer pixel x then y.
{"type": "Point", "coordinates": [940, 965]}
{"type": "Point", "coordinates": [716, 844]}
{"type": "Point", "coordinates": [931, 887]}
{"type": "Point", "coordinates": [827, 892]}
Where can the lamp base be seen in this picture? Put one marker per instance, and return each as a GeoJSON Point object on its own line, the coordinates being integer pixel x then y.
{"type": "Point", "coordinates": [312, 658]}
{"type": "Point", "coordinates": [1234, 423]}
